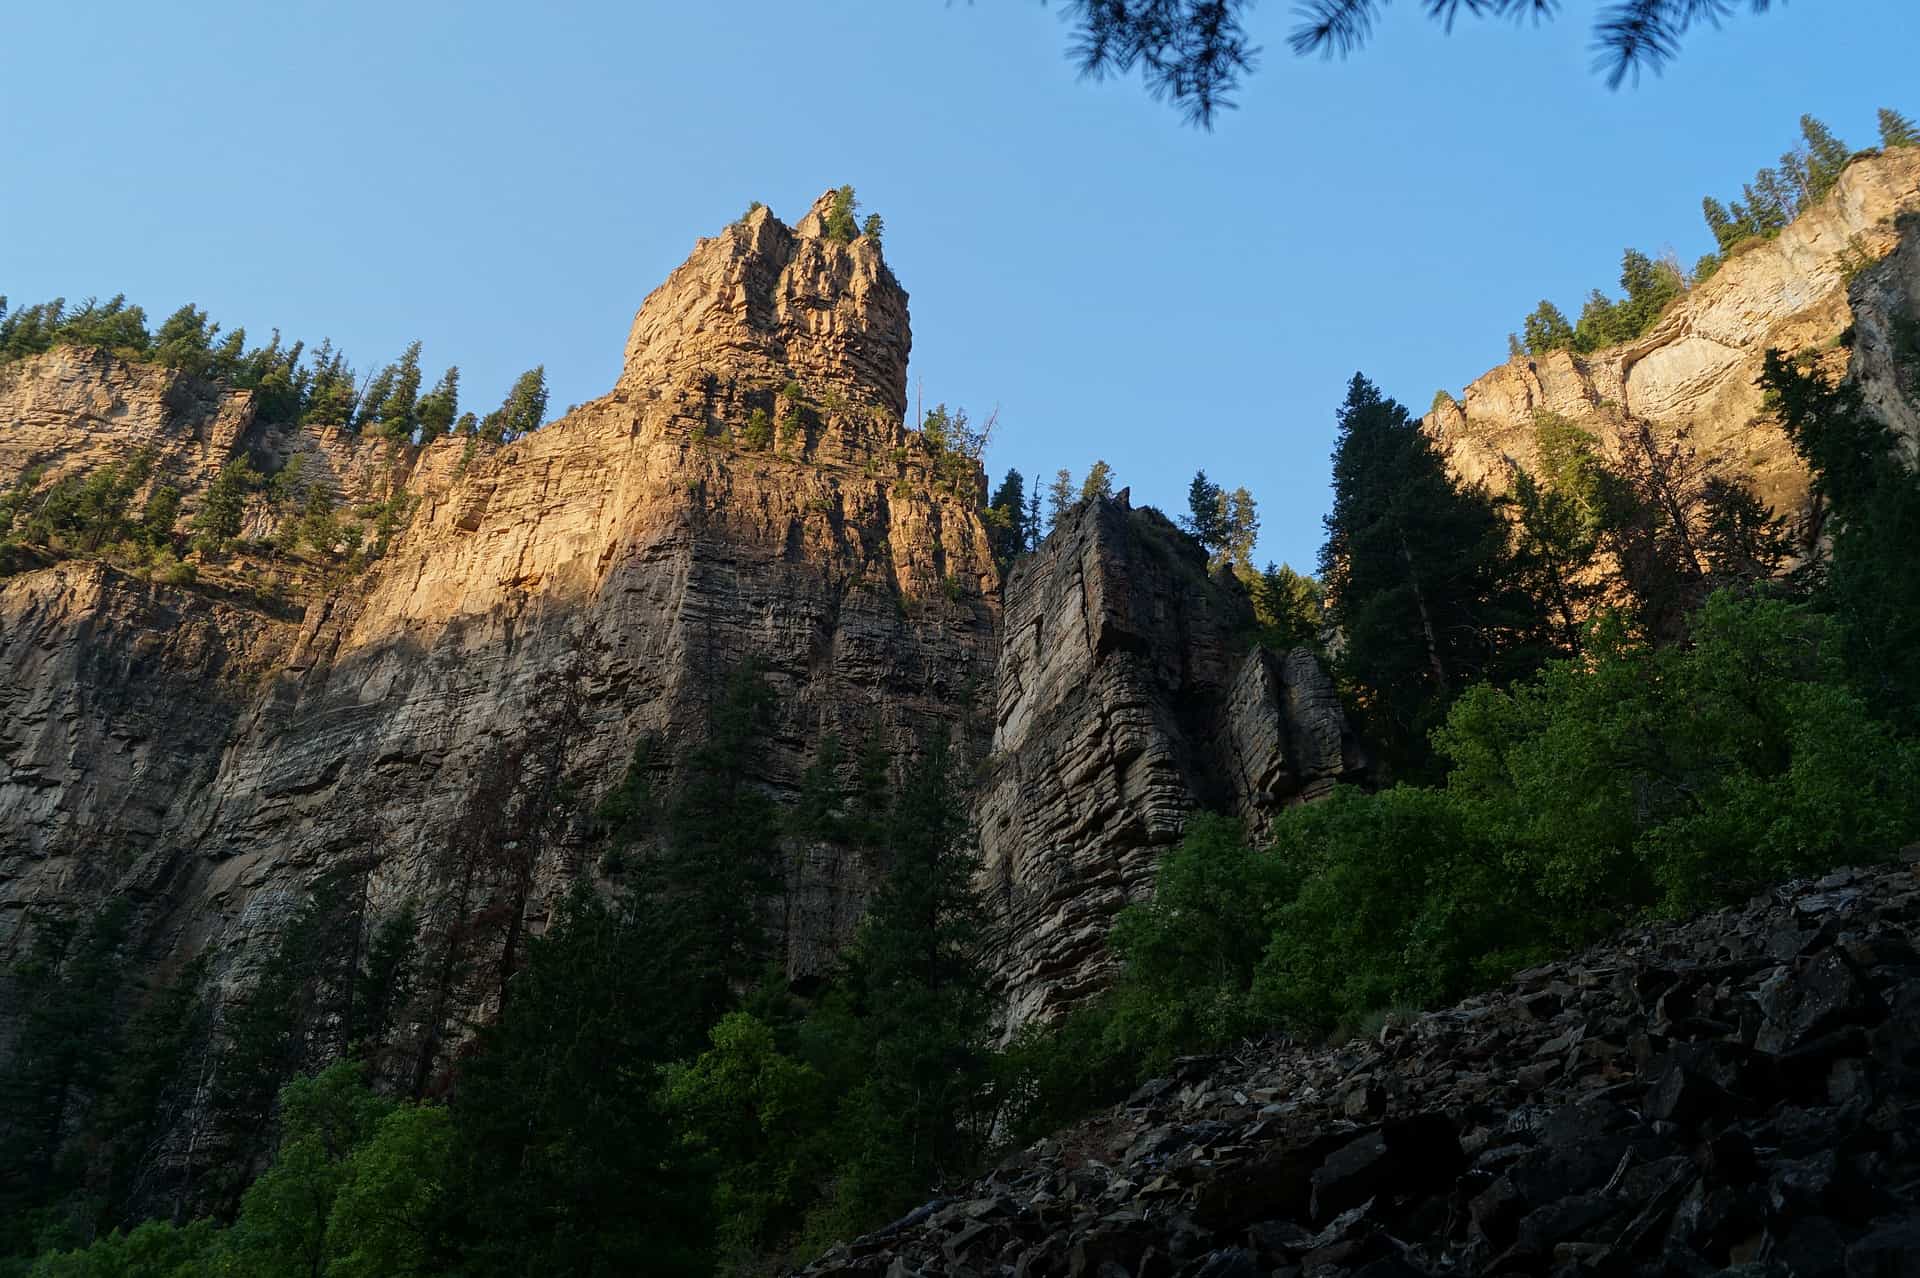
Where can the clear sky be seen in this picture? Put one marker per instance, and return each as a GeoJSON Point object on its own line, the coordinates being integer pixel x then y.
{"type": "Point", "coordinates": [508, 181]}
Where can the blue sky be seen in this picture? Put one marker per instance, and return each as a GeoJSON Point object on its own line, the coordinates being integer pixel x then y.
{"type": "Point", "coordinates": [508, 181]}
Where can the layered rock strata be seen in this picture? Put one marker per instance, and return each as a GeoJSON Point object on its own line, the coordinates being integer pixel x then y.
{"type": "Point", "coordinates": [1739, 1090]}
{"type": "Point", "coordinates": [747, 492]}
{"type": "Point", "coordinates": [1844, 274]}
{"type": "Point", "coordinates": [1130, 692]}
{"type": "Point", "coordinates": [211, 750]}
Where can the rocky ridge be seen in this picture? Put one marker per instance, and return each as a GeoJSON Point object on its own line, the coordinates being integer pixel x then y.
{"type": "Point", "coordinates": [1739, 1090]}
{"type": "Point", "coordinates": [210, 751]}
{"type": "Point", "coordinates": [1845, 272]}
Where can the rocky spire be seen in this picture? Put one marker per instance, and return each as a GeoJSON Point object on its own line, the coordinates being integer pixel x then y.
{"type": "Point", "coordinates": [764, 303]}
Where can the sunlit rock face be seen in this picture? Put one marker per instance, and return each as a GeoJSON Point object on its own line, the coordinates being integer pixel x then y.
{"type": "Point", "coordinates": [1695, 371]}
{"type": "Point", "coordinates": [211, 749]}
{"type": "Point", "coordinates": [438, 725]}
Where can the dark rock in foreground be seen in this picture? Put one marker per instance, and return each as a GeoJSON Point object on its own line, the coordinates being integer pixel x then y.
{"type": "Point", "coordinates": [1740, 1092]}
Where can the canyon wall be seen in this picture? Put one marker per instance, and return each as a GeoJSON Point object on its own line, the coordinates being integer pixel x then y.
{"type": "Point", "coordinates": [1842, 279]}
{"type": "Point", "coordinates": [210, 750]}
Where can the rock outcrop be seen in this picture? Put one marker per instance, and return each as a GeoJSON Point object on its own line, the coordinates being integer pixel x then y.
{"type": "Point", "coordinates": [1809, 287]}
{"type": "Point", "coordinates": [1130, 692]}
{"type": "Point", "coordinates": [1739, 1090]}
{"type": "Point", "coordinates": [747, 491]}
{"type": "Point", "coordinates": [211, 750]}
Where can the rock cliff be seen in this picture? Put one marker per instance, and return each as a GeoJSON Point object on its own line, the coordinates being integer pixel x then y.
{"type": "Point", "coordinates": [1130, 691]}
{"type": "Point", "coordinates": [210, 750]}
{"type": "Point", "coordinates": [1845, 273]}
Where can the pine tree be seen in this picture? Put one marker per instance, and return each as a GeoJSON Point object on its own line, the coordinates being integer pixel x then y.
{"type": "Point", "coordinates": [331, 398]}
{"type": "Point", "coordinates": [1413, 568]}
{"type": "Point", "coordinates": [563, 1161]}
{"type": "Point", "coordinates": [1098, 483]}
{"type": "Point", "coordinates": [1649, 286]}
{"type": "Point", "coordinates": [1827, 156]}
{"type": "Point", "coordinates": [1290, 606]}
{"type": "Point", "coordinates": [1036, 531]}
{"type": "Point", "coordinates": [523, 410]}
{"type": "Point", "coordinates": [223, 510]}
{"type": "Point", "coordinates": [185, 340]}
{"type": "Point", "coordinates": [1060, 498]}
{"type": "Point", "coordinates": [1720, 222]}
{"type": "Point", "coordinates": [440, 406]}
{"type": "Point", "coordinates": [1240, 529]}
{"type": "Point", "coordinates": [1546, 329]}
{"type": "Point", "coordinates": [914, 1112]}
{"type": "Point", "coordinates": [1008, 517]}
{"type": "Point", "coordinates": [1795, 179]}
{"type": "Point", "coordinates": [721, 859]}
{"type": "Point", "coordinates": [1205, 519]}
{"type": "Point", "coordinates": [1599, 325]}
{"type": "Point", "coordinates": [1897, 130]}
{"type": "Point", "coordinates": [840, 225]}
{"type": "Point", "coordinates": [397, 410]}
{"type": "Point", "coordinates": [874, 228]}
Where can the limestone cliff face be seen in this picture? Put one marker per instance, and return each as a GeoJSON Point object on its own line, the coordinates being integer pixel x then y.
{"type": "Point", "coordinates": [1695, 370]}
{"type": "Point", "coordinates": [1130, 693]}
{"type": "Point", "coordinates": [210, 751]}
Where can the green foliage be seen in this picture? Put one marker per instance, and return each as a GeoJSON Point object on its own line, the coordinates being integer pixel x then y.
{"type": "Point", "coordinates": [1290, 607]}
{"type": "Point", "coordinates": [1006, 517]}
{"type": "Point", "coordinates": [562, 1153]}
{"type": "Point", "coordinates": [1098, 483]}
{"type": "Point", "coordinates": [1416, 570]}
{"type": "Point", "coordinates": [1681, 775]}
{"type": "Point", "coordinates": [956, 447]}
{"type": "Point", "coordinates": [840, 224]}
{"type": "Point", "coordinates": [757, 435]}
{"type": "Point", "coordinates": [759, 1116]}
{"type": "Point", "coordinates": [223, 509]}
{"type": "Point", "coordinates": [523, 410]}
{"type": "Point", "coordinates": [1872, 503]}
{"type": "Point", "coordinates": [1206, 515]}
{"type": "Point", "coordinates": [439, 407]}
{"type": "Point", "coordinates": [873, 228]}
{"type": "Point", "coordinates": [904, 1042]}
{"type": "Point", "coordinates": [91, 513]}
{"type": "Point", "coordinates": [354, 1191]}
{"type": "Point", "coordinates": [1778, 195]}
{"type": "Point", "coordinates": [1060, 497]}
{"type": "Point", "coordinates": [1546, 329]}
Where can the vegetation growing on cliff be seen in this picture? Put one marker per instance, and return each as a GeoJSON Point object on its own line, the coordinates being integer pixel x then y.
{"type": "Point", "coordinates": [1777, 195]}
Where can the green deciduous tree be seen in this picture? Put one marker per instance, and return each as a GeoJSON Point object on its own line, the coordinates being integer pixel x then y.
{"type": "Point", "coordinates": [1098, 483]}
